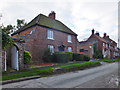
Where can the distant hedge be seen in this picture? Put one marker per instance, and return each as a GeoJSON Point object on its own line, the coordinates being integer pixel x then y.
{"type": "Point", "coordinates": [27, 57]}
{"type": "Point", "coordinates": [80, 57]}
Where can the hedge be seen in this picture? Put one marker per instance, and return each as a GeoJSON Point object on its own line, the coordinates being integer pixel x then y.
{"type": "Point", "coordinates": [110, 60]}
{"type": "Point", "coordinates": [80, 57]}
{"type": "Point", "coordinates": [27, 57]}
{"type": "Point", "coordinates": [62, 56]}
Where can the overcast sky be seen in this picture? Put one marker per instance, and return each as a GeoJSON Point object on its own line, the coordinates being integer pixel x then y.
{"type": "Point", "coordinates": [80, 16]}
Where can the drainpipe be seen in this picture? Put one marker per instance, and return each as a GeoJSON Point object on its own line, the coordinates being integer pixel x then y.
{"type": "Point", "coordinates": [17, 62]}
{"type": "Point", "coordinates": [5, 62]}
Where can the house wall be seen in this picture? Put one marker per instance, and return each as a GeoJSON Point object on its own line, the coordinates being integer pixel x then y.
{"type": "Point", "coordinates": [37, 42]}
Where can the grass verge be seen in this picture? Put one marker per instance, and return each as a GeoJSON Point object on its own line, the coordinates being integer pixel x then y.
{"type": "Point", "coordinates": [110, 60]}
{"type": "Point", "coordinates": [50, 71]}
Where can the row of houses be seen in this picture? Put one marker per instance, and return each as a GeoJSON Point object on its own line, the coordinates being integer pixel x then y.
{"type": "Point", "coordinates": [46, 32]}
{"type": "Point", "coordinates": [107, 46]}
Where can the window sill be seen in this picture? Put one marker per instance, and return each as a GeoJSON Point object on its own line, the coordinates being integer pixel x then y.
{"type": "Point", "coordinates": [51, 38]}
{"type": "Point", "coordinates": [69, 42]}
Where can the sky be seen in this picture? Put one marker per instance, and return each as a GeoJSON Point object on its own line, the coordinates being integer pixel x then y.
{"type": "Point", "coordinates": [81, 16]}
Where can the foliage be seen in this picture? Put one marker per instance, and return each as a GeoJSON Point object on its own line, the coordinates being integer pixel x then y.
{"type": "Point", "coordinates": [20, 23]}
{"type": "Point", "coordinates": [62, 56]}
{"type": "Point", "coordinates": [97, 53]}
{"type": "Point", "coordinates": [47, 57]}
{"type": "Point", "coordinates": [80, 57]}
{"type": "Point", "coordinates": [6, 39]}
{"type": "Point", "coordinates": [70, 54]}
{"type": "Point", "coordinates": [27, 57]}
{"type": "Point", "coordinates": [110, 60]}
{"type": "Point", "coordinates": [81, 65]}
{"type": "Point", "coordinates": [86, 58]}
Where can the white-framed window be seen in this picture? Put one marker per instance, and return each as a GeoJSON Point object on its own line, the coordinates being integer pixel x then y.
{"type": "Point", "coordinates": [51, 47]}
{"type": "Point", "coordinates": [69, 49]}
{"type": "Point", "coordinates": [69, 39]}
{"type": "Point", "coordinates": [103, 44]}
{"type": "Point", "coordinates": [50, 35]}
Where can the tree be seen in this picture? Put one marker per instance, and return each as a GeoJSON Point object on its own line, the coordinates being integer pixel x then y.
{"type": "Point", "coordinates": [97, 53]}
{"type": "Point", "coordinates": [6, 39]}
{"type": "Point", "coordinates": [20, 23]}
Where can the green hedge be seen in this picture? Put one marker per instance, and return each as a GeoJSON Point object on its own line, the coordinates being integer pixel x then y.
{"type": "Point", "coordinates": [47, 57]}
{"type": "Point", "coordinates": [110, 60]}
{"type": "Point", "coordinates": [62, 56]}
{"type": "Point", "coordinates": [27, 57]}
{"type": "Point", "coordinates": [81, 65]}
{"type": "Point", "coordinates": [80, 57]}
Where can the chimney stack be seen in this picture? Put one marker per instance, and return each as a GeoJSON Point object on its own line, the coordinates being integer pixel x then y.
{"type": "Point", "coordinates": [97, 33]}
{"type": "Point", "coordinates": [104, 35]}
{"type": "Point", "coordinates": [93, 31]}
{"type": "Point", "coordinates": [52, 15]}
{"type": "Point", "coordinates": [107, 36]}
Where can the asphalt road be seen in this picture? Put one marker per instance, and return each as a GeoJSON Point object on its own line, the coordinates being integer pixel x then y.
{"type": "Point", "coordinates": [105, 76]}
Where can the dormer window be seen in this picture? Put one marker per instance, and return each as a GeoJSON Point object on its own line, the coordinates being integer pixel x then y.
{"type": "Point", "coordinates": [50, 35]}
{"type": "Point", "coordinates": [69, 39]}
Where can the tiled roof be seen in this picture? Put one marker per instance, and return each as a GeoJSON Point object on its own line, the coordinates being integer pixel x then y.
{"type": "Point", "coordinates": [101, 39]}
{"type": "Point", "coordinates": [47, 22]}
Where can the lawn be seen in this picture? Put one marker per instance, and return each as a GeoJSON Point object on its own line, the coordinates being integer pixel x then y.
{"type": "Point", "coordinates": [50, 70]}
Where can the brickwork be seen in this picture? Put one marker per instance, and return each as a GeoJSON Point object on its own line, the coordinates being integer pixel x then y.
{"type": "Point", "coordinates": [37, 42]}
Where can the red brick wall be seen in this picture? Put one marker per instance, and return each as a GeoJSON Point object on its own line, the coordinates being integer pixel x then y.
{"type": "Point", "coordinates": [37, 42]}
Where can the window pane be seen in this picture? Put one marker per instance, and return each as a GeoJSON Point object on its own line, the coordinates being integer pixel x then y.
{"type": "Point", "coordinates": [69, 49]}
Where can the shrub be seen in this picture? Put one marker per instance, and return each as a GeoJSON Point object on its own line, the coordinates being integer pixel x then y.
{"type": "Point", "coordinates": [80, 57]}
{"type": "Point", "coordinates": [47, 57]}
{"type": "Point", "coordinates": [62, 56]}
{"type": "Point", "coordinates": [110, 60]}
{"type": "Point", "coordinates": [81, 65]}
{"type": "Point", "coordinates": [70, 54]}
{"type": "Point", "coordinates": [27, 57]}
{"type": "Point", "coordinates": [86, 58]}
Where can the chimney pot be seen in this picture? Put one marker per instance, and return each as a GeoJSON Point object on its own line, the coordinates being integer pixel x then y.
{"type": "Point", "coordinates": [52, 15]}
{"type": "Point", "coordinates": [104, 34]}
{"type": "Point", "coordinates": [93, 31]}
{"type": "Point", "coordinates": [97, 33]}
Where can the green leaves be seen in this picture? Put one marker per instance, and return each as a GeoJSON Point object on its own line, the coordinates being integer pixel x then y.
{"type": "Point", "coordinates": [27, 57]}
{"type": "Point", "coordinates": [6, 39]}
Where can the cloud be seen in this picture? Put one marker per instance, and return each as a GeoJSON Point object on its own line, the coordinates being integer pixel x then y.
{"type": "Point", "coordinates": [80, 16]}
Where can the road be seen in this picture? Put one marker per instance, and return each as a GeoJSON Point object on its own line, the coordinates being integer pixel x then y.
{"type": "Point", "coordinates": [104, 76]}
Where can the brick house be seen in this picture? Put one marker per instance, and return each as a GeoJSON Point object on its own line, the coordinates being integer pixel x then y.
{"type": "Point", "coordinates": [46, 32]}
{"type": "Point", "coordinates": [113, 50]}
{"type": "Point", "coordinates": [107, 46]}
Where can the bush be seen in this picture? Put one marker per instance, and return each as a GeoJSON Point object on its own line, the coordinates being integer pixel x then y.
{"type": "Point", "coordinates": [81, 65]}
{"type": "Point", "coordinates": [86, 58]}
{"type": "Point", "coordinates": [47, 57]}
{"type": "Point", "coordinates": [70, 54]}
{"type": "Point", "coordinates": [63, 56]}
{"type": "Point", "coordinates": [110, 60]}
{"type": "Point", "coordinates": [80, 57]}
{"type": "Point", "coordinates": [27, 57]}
